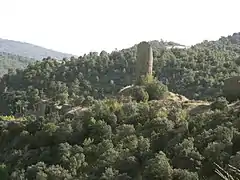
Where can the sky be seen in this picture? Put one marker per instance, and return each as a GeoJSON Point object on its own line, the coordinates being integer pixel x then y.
{"type": "Point", "coordinates": [81, 26]}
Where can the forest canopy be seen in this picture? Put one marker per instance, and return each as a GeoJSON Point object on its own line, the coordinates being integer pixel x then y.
{"type": "Point", "coordinates": [175, 126]}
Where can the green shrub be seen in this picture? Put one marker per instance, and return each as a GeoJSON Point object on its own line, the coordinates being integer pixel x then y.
{"type": "Point", "coordinates": [156, 90]}
{"type": "Point", "coordinates": [220, 103]}
{"type": "Point", "coordinates": [139, 94]}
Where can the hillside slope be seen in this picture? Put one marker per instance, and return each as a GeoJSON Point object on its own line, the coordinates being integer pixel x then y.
{"type": "Point", "coordinates": [111, 139]}
{"type": "Point", "coordinates": [11, 61]}
{"type": "Point", "coordinates": [29, 50]}
{"type": "Point", "coordinates": [197, 72]}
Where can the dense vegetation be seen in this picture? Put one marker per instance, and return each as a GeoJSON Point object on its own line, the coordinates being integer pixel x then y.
{"type": "Point", "coordinates": [140, 134]}
{"type": "Point", "coordinates": [29, 50]}
{"type": "Point", "coordinates": [14, 54]}
{"type": "Point", "coordinates": [11, 62]}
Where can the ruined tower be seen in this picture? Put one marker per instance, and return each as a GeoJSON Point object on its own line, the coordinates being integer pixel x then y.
{"type": "Point", "coordinates": [41, 108]}
{"type": "Point", "coordinates": [231, 88]}
{"type": "Point", "coordinates": [144, 63]}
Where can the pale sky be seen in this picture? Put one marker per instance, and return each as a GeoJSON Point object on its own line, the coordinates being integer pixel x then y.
{"type": "Point", "coordinates": [80, 26]}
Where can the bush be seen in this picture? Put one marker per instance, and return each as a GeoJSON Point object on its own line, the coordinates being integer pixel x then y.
{"type": "Point", "coordinates": [156, 90]}
{"type": "Point", "coordinates": [139, 94]}
{"type": "Point", "coordinates": [88, 101]}
{"type": "Point", "coordinates": [220, 103]}
{"type": "Point", "coordinates": [145, 80]}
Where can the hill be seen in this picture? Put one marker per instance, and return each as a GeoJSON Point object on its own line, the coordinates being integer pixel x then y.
{"type": "Point", "coordinates": [11, 61]}
{"type": "Point", "coordinates": [67, 119]}
{"type": "Point", "coordinates": [29, 50]}
{"type": "Point", "coordinates": [17, 55]}
{"type": "Point", "coordinates": [197, 72]}
{"type": "Point", "coordinates": [112, 139]}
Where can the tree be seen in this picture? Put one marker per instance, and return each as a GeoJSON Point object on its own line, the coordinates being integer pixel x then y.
{"type": "Point", "coordinates": [158, 168]}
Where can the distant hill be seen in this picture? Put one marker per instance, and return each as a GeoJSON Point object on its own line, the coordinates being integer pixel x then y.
{"type": "Point", "coordinates": [29, 50]}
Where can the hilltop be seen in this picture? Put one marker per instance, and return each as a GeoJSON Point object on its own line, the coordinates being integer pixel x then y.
{"type": "Point", "coordinates": [29, 50]}
{"type": "Point", "coordinates": [17, 55]}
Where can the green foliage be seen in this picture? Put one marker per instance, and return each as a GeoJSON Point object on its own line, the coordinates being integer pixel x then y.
{"type": "Point", "coordinates": [115, 140]}
{"type": "Point", "coordinates": [197, 72]}
{"type": "Point", "coordinates": [144, 80]}
{"type": "Point", "coordinates": [220, 103]}
{"type": "Point", "coordinates": [158, 168]}
{"type": "Point", "coordinates": [11, 118]}
{"type": "Point", "coordinates": [181, 174]}
{"type": "Point", "coordinates": [139, 94]}
{"type": "Point", "coordinates": [155, 89]}
{"type": "Point", "coordinates": [9, 62]}
{"type": "Point", "coordinates": [106, 137]}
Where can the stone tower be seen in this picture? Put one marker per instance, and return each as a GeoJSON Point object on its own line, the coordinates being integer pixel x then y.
{"type": "Point", "coordinates": [144, 63]}
{"type": "Point", "coordinates": [41, 108]}
{"type": "Point", "coordinates": [231, 88]}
